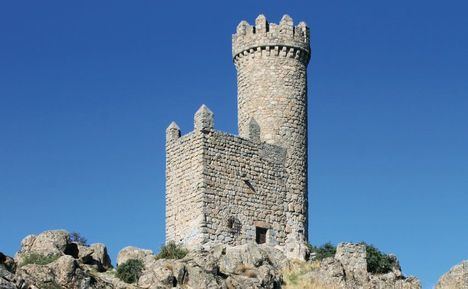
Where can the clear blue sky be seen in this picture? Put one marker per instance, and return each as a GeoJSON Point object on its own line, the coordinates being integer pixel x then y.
{"type": "Point", "coordinates": [88, 88]}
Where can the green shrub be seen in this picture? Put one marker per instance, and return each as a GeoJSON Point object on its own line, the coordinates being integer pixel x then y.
{"type": "Point", "coordinates": [38, 259]}
{"type": "Point", "coordinates": [130, 271]}
{"type": "Point", "coordinates": [78, 238]}
{"type": "Point", "coordinates": [378, 262]}
{"type": "Point", "coordinates": [324, 251]}
{"type": "Point", "coordinates": [172, 251]}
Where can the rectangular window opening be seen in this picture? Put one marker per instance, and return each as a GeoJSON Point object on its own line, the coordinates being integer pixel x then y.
{"type": "Point", "coordinates": [260, 235]}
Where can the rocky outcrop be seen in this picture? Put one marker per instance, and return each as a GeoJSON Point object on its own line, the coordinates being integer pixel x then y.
{"type": "Point", "coordinates": [52, 260]}
{"type": "Point", "coordinates": [8, 263]}
{"type": "Point", "coordinates": [48, 243]}
{"type": "Point", "coordinates": [7, 278]}
{"type": "Point", "coordinates": [348, 270]}
{"type": "Point", "coordinates": [130, 252]}
{"type": "Point", "coordinates": [69, 265]}
{"type": "Point", "coordinates": [244, 266]}
{"type": "Point", "coordinates": [456, 278]}
{"type": "Point", "coordinates": [64, 272]}
{"type": "Point", "coordinates": [96, 256]}
{"type": "Point", "coordinates": [57, 243]}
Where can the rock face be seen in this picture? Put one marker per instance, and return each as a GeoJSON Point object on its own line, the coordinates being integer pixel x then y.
{"type": "Point", "coordinates": [348, 270]}
{"type": "Point", "coordinates": [7, 278]}
{"type": "Point", "coordinates": [456, 278]}
{"type": "Point", "coordinates": [52, 260]}
{"type": "Point", "coordinates": [130, 252]}
{"type": "Point", "coordinates": [95, 255]}
{"type": "Point", "coordinates": [244, 266]}
{"type": "Point", "coordinates": [60, 263]}
{"type": "Point", "coordinates": [64, 272]}
{"type": "Point", "coordinates": [353, 260]}
{"type": "Point", "coordinates": [48, 243]}
{"type": "Point", "coordinates": [57, 243]}
{"type": "Point", "coordinates": [8, 263]}
{"type": "Point", "coordinates": [220, 267]}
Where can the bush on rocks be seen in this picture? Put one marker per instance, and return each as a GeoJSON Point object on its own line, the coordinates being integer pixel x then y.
{"type": "Point", "coordinates": [172, 251]}
{"type": "Point", "coordinates": [78, 238]}
{"type": "Point", "coordinates": [130, 271]}
{"type": "Point", "coordinates": [378, 262]}
{"type": "Point", "coordinates": [322, 252]}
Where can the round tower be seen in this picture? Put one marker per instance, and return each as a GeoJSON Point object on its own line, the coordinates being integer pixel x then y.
{"type": "Point", "coordinates": [271, 62]}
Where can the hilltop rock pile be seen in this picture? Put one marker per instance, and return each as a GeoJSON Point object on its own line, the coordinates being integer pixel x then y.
{"type": "Point", "coordinates": [51, 260]}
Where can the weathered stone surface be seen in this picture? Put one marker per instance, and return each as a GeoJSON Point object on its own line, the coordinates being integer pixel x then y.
{"type": "Point", "coordinates": [198, 278]}
{"type": "Point", "coordinates": [63, 272]}
{"type": "Point", "coordinates": [456, 278]}
{"type": "Point", "coordinates": [95, 255]}
{"type": "Point", "coordinates": [219, 267]}
{"type": "Point", "coordinates": [4, 284]}
{"type": "Point", "coordinates": [47, 243]}
{"type": "Point", "coordinates": [8, 263]}
{"type": "Point", "coordinates": [157, 273]}
{"type": "Point", "coordinates": [348, 270]}
{"type": "Point", "coordinates": [296, 249]}
{"type": "Point", "coordinates": [65, 269]}
{"type": "Point", "coordinates": [131, 252]}
{"type": "Point", "coordinates": [245, 266]}
{"type": "Point", "coordinates": [67, 273]}
{"type": "Point", "coordinates": [5, 273]}
{"type": "Point", "coordinates": [58, 243]}
{"type": "Point", "coordinates": [203, 120]}
{"type": "Point", "coordinates": [108, 280]}
{"type": "Point", "coordinates": [236, 258]}
{"type": "Point", "coordinates": [353, 259]}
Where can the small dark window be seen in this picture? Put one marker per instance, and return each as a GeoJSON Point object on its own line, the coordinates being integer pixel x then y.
{"type": "Point", "coordinates": [230, 223]}
{"type": "Point", "coordinates": [234, 225]}
{"type": "Point", "coordinates": [260, 235]}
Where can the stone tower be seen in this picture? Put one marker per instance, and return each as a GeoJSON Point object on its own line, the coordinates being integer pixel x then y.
{"type": "Point", "coordinates": [223, 188]}
{"type": "Point", "coordinates": [271, 62]}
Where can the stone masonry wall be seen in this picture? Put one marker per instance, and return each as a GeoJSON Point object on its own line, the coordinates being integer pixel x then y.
{"type": "Point", "coordinates": [220, 187]}
{"type": "Point", "coordinates": [184, 206]}
{"type": "Point", "coordinates": [245, 188]}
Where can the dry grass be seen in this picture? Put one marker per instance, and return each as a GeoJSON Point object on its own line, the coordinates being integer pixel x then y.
{"type": "Point", "coordinates": [295, 277]}
{"type": "Point", "coordinates": [304, 284]}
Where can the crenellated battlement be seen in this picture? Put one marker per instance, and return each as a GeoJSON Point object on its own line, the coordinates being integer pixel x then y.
{"type": "Point", "coordinates": [270, 39]}
{"type": "Point", "coordinates": [203, 122]}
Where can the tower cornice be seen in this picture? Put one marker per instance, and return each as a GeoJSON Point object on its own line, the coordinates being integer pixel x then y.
{"type": "Point", "coordinates": [283, 39]}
